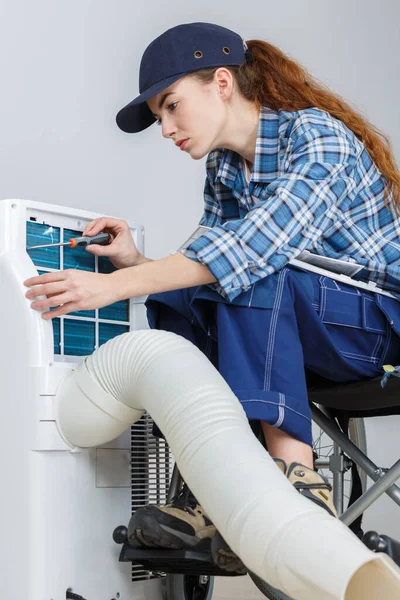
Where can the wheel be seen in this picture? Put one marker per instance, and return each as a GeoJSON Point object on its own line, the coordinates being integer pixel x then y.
{"type": "Point", "coordinates": [325, 448]}
{"type": "Point", "coordinates": [187, 587]}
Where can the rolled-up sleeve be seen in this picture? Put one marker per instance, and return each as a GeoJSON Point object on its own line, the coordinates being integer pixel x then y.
{"type": "Point", "coordinates": [294, 211]}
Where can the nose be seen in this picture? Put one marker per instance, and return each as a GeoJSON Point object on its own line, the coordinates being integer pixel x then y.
{"type": "Point", "coordinates": [167, 127]}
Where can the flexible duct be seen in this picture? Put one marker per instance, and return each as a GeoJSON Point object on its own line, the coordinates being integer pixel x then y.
{"type": "Point", "coordinates": [280, 535]}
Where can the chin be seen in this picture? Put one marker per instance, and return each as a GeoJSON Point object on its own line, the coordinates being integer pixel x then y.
{"type": "Point", "coordinates": [198, 156]}
{"type": "Point", "coordinates": [199, 153]}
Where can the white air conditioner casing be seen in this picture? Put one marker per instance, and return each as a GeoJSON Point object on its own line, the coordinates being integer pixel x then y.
{"type": "Point", "coordinates": [58, 507]}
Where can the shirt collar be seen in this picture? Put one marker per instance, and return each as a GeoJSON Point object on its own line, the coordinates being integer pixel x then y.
{"type": "Point", "coordinates": [265, 167]}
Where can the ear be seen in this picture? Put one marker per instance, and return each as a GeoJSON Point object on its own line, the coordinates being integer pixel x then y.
{"type": "Point", "coordinates": [224, 80]}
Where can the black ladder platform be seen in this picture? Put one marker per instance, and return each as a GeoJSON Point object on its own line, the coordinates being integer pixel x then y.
{"type": "Point", "coordinates": [186, 562]}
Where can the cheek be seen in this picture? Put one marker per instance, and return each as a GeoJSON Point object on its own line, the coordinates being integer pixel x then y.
{"type": "Point", "coordinates": [203, 123]}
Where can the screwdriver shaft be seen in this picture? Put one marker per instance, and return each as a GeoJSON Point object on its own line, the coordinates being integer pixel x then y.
{"type": "Point", "coordinates": [103, 239]}
{"type": "Point", "coordinates": [48, 245]}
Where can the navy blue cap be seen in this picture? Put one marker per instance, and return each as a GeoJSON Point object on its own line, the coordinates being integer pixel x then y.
{"type": "Point", "coordinates": [178, 51]}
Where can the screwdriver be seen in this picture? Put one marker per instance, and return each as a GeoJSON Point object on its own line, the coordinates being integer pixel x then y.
{"type": "Point", "coordinates": [103, 239]}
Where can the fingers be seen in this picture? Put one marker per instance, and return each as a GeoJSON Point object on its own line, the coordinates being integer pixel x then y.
{"type": "Point", "coordinates": [49, 289]}
{"type": "Point", "coordinates": [103, 223]}
{"type": "Point", "coordinates": [98, 250]}
{"type": "Point", "coordinates": [46, 278]}
{"type": "Point", "coordinates": [55, 300]}
{"type": "Point", "coordinates": [94, 226]}
{"type": "Point", "coordinates": [64, 309]}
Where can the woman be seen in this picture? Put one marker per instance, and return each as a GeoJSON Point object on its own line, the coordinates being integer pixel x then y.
{"type": "Point", "coordinates": [290, 166]}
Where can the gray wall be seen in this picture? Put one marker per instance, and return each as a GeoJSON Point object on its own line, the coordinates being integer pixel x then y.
{"type": "Point", "coordinates": [67, 67]}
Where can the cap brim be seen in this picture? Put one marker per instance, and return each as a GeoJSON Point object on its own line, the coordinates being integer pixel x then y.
{"type": "Point", "coordinates": [136, 115]}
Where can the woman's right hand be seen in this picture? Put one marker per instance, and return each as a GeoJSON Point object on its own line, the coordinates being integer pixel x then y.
{"type": "Point", "coordinates": [122, 251]}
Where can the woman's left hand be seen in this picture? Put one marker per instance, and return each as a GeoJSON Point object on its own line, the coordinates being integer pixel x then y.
{"type": "Point", "coordinates": [71, 290]}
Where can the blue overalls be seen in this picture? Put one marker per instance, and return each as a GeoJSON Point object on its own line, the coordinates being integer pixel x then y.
{"type": "Point", "coordinates": [265, 340]}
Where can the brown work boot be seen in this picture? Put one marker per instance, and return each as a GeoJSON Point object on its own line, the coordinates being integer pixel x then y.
{"type": "Point", "coordinates": [182, 524]}
{"type": "Point", "coordinates": [312, 485]}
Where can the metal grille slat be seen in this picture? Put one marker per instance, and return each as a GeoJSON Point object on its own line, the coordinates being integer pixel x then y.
{"type": "Point", "coordinates": [151, 471]}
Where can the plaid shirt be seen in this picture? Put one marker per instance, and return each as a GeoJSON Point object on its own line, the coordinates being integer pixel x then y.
{"type": "Point", "coordinates": [313, 186]}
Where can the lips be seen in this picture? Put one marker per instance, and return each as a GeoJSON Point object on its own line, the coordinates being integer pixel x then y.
{"type": "Point", "coordinates": [182, 143]}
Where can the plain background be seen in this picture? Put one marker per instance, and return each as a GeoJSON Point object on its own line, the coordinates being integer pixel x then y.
{"type": "Point", "coordinates": [68, 67]}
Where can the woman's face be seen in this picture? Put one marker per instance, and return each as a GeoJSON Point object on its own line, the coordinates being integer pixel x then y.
{"type": "Point", "coordinates": [194, 112]}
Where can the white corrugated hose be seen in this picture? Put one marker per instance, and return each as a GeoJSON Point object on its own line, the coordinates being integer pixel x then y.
{"type": "Point", "coordinates": [281, 536]}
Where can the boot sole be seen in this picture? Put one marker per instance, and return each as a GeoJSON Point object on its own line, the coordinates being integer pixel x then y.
{"type": "Point", "coordinates": [149, 533]}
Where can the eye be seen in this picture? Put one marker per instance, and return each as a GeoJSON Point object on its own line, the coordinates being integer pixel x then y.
{"type": "Point", "coordinates": [171, 107]}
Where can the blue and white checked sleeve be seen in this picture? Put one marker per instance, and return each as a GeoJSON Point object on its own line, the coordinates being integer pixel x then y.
{"type": "Point", "coordinates": [295, 210]}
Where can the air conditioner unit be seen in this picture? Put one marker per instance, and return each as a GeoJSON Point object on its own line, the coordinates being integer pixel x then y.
{"type": "Point", "coordinates": [59, 507]}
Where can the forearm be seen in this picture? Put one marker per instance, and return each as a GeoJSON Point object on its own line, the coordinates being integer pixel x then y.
{"type": "Point", "coordinates": [142, 260]}
{"type": "Point", "coordinates": [171, 273]}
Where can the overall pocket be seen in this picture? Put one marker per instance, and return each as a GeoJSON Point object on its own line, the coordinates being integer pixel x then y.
{"type": "Point", "coordinates": [356, 324]}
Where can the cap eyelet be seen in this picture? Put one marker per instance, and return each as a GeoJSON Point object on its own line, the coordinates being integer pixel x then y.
{"type": "Point", "coordinates": [226, 50]}
{"type": "Point", "coordinates": [198, 54]}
